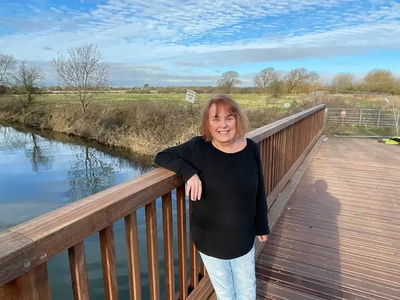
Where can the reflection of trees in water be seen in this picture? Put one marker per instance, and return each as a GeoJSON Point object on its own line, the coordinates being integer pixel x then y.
{"type": "Point", "coordinates": [92, 170]}
{"type": "Point", "coordinates": [38, 156]}
{"type": "Point", "coordinates": [12, 139]}
{"type": "Point", "coordinates": [17, 138]}
{"type": "Point", "coordinates": [89, 174]}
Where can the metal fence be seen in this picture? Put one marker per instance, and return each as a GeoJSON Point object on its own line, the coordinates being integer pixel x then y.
{"type": "Point", "coordinates": [361, 117]}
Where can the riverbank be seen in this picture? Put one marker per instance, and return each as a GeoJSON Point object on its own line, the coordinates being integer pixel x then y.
{"type": "Point", "coordinates": [141, 127]}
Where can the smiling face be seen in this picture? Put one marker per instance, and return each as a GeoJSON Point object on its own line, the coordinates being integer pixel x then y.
{"type": "Point", "coordinates": [222, 124]}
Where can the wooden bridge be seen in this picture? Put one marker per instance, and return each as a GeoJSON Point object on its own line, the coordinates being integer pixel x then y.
{"type": "Point", "coordinates": [334, 210]}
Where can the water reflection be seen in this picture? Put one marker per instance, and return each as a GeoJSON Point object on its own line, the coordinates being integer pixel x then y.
{"type": "Point", "coordinates": [89, 174]}
{"type": "Point", "coordinates": [42, 171]}
{"type": "Point", "coordinates": [37, 155]}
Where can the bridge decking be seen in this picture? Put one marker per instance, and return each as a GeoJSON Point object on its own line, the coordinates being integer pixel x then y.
{"type": "Point", "coordinates": [339, 236]}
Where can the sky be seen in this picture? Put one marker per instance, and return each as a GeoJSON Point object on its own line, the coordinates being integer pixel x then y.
{"type": "Point", "coordinates": [187, 42]}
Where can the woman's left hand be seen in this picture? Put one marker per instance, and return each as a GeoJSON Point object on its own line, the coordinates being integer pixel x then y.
{"type": "Point", "coordinates": [262, 238]}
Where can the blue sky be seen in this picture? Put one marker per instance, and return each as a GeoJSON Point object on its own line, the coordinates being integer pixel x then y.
{"type": "Point", "coordinates": [192, 42]}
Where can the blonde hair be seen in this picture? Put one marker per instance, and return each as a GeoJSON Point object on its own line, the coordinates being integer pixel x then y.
{"type": "Point", "coordinates": [242, 123]}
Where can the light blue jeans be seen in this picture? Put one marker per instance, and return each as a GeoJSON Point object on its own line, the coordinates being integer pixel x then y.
{"type": "Point", "coordinates": [232, 279]}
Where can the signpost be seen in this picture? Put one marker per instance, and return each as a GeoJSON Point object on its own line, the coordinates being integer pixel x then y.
{"type": "Point", "coordinates": [190, 96]}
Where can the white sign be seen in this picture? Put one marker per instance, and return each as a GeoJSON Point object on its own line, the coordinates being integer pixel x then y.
{"type": "Point", "coordinates": [190, 96]}
{"type": "Point", "coordinates": [286, 105]}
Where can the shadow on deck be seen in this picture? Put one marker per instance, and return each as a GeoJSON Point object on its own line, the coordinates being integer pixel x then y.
{"type": "Point", "coordinates": [339, 236]}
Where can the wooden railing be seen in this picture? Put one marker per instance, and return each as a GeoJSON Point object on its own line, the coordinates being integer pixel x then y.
{"type": "Point", "coordinates": [26, 248]}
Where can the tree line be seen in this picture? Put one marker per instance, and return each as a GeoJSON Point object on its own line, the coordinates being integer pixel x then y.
{"type": "Point", "coordinates": [84, 71]}
{"type": "Point", "coordinates": [303, 81]}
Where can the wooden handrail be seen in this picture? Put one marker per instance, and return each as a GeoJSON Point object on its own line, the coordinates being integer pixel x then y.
{"type": "Point", "coordinates": [266, 131]}
{"type": "Point", "coordinates": [24, 249]}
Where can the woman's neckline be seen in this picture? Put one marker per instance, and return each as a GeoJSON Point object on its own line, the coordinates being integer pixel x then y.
{"type": "Point", "coordinates": [236, 152]}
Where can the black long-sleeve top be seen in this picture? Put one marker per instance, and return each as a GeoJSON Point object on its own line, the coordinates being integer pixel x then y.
{"type": "Point", "coordinates": [233, 208]}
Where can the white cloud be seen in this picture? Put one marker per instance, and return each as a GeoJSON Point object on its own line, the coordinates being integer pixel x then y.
{"type": "Point", "coordinates": [206, 34]}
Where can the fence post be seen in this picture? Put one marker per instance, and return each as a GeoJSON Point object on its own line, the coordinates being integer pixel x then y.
{"type": "Point", "coordinates": [315, 98]}
{"type": "Point", "coordinates": [361, 111]}
{"type": "Point", "coordinates": [379, 116]}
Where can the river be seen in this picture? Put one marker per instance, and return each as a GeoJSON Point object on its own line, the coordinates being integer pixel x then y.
{"type": "Point", "coordinates": [43, 171]}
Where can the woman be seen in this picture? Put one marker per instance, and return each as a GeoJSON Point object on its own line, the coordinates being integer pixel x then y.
{"type": "Point", "coordinates": [223, 171]}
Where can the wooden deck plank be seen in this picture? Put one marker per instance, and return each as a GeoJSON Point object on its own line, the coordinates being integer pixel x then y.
{"type": "Point", "coordinates": [339, 236]}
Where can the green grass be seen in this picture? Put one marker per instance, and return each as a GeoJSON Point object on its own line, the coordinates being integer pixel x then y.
{"type": "Point", "coordinates": [247, 101]}
{"type": "Point", "coordinates": [352, 130]}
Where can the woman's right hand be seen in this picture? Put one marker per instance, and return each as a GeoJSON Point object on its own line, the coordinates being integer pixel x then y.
{"type": "Point", "coordinates": [194, 188]}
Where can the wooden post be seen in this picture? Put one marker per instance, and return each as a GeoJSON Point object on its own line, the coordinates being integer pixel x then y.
{"type": "Point", "coordinates": [109, 263]}
{"type": "Point", "coordinates": [132, 251]}
{"type": "Point", "coordinates": [33, 285]}
{"type": "Point", "coordinates": [379, 116]}
{"type": "Point", "coordinates": [152, 250]}
{"type": "Point", "coordinates": [168, 246]}
{"type": "Point", "coordinates": [79, 277]}
{"type": "Point", "coordinates": [182, 250]}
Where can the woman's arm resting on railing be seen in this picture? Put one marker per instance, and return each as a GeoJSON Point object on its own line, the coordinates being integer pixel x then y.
{"type": "Point", "coordinates": [179, 160]}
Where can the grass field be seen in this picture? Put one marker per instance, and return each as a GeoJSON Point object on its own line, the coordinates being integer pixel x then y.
{"type": "Point", "coordinates": [246, 100]}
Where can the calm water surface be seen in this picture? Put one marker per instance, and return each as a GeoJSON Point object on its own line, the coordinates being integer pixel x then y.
{"type": "Point", "coordinates": [39, 174]}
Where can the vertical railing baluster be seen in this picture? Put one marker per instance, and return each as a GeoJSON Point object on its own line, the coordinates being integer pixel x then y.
{"type": "Point", "coordinates": [194, 272]}
{"type": "Point", "coordinates": [168, 246]}
{"type": "Point", "coordinates": [77, 265]}
{"type": "Point", "coordinates": [270, 163]}
{"type": "Point", "coordinates": [181, 208]}
{"type": "Point", "coordinates": [132, 252]}
{"type": "Point", "coordinates": [152, 253]}
{"type": "Point", "coordinates": [108, 263]}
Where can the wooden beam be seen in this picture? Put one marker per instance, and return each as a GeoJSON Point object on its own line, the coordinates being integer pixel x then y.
{"type": "Point", "coordinates": [16, 255]}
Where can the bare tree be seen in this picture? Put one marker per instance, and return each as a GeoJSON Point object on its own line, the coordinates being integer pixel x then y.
{"type": "Point", "coordinates": [84, 70]}
{"type": "Point", "coordinates": [28, 81]}
{"type": "Point", "coordinates": [228, 80]}
{"type": "Point", "coordinates": [295, 78]}
{"type": "Point", "coordinates": [7, 66]}
{"type": "Point", "coordinates": [343, 81]}
{"type": "Point", "coordinates": [263, 79]}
